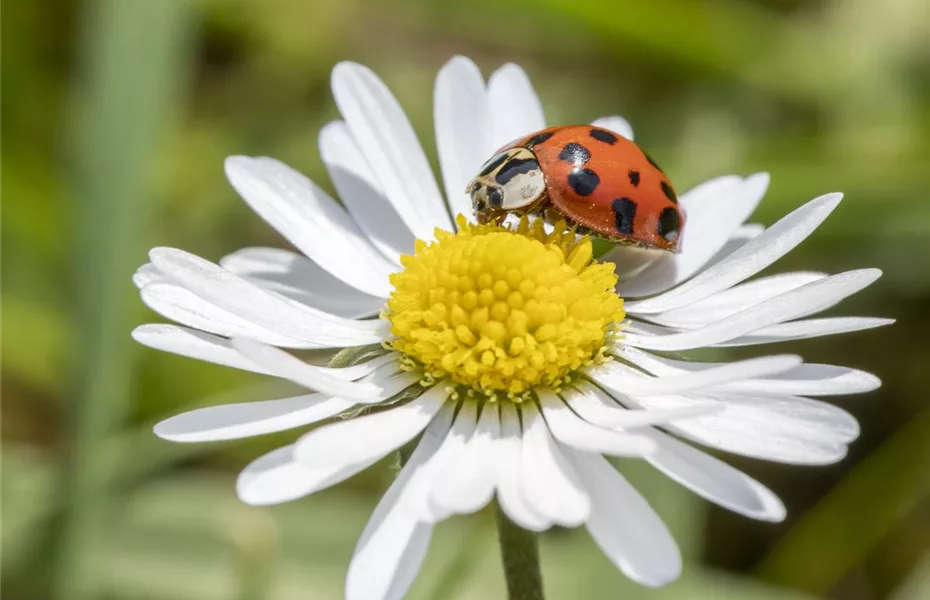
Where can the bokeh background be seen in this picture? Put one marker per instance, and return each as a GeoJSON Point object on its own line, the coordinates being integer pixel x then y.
{"type": "Point", "coordinates": [116, 117]}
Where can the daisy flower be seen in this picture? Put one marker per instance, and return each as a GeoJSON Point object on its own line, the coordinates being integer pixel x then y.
{"type": "Point", "coordinates": [515, 358]}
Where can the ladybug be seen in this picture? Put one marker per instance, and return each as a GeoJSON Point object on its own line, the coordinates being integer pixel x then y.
{"type": "Point", "coordinates": [595, 179]}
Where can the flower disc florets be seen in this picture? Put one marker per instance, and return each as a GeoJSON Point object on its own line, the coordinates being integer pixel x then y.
{"type": "Point", "coordinates": [500, 311]}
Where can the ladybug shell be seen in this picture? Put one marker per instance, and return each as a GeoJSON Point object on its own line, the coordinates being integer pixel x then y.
{"type": "Point", "coordinates": [602, 181]}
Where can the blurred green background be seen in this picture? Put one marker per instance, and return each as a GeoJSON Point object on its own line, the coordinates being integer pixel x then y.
{"type": "Point", "coordinates": [116, 117]}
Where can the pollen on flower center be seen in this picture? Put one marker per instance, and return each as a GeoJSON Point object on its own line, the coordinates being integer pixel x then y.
{"type": "Point", "coordinates": [502, 311]}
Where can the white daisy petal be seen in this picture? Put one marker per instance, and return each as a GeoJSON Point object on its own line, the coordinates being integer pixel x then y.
{"type": "Point", "coordinates": [468, 485]}
{"type": "Point", "coordinates": [193, 344]}
{"type": "Point", "coordinates": [361, 193]}
{"type": "Point", "coordinates": [515, 108]}
{"type": "Point", "coordinates": [451, 450]}
{"type": "Point", "coordinates": [276, 477]}
{"type": "Point", "coordinates": [808, 328]}
{"type": "Point", "coordinates": [232, 421]}
{"type": "Point", "coordinates": [616, 124]}
{"type": "Point", "coordinates": [755, 255]}
{"type": "Point", "coordinates": [595, 406]}
{"type": "Point", "coordinates": [463, 124]}
{"type": "Point", "coordinates": [629, 261]}
{"type": "Point", "coordinates": [262, 307]}
{"type": "Point", "coordinates": [713, 212]}
{"type": "Point", "coordinates": [808, 298]}
{"type": "Point", "coordinates": [369, 436]}
{"type": "Point", "coordinates": [810, 380]}
{"type": "Point", "coordinates": [624, 526]}
{"type": "Point", "coordinates": [782, 429]}
{"type": "Point", "coordinates": [733, 300]}
{"type": "Point", "coordinates": [393, 545]}
{"type": "Point", "coordinates": [362, 369]}
{"type": "Point", "coordinates": [714, 480]}
{"type": "Point", "coordinates": [281, 364]}
{"type": "Point", "coordinates": [389, 144]}
{"type": "Point", "coordinates": [569, 429]}
{"type": "Point", "coordinates": [311, 220]}
{"type": "Point", "coordinates": [624, 380]}
{"type": "Point", "coordinates": [803, 380]}
{"type": "Point", "coordinates": [146, 274]}
{"type": "Point", "coordinates": [509, 474]}
{"type": "Point", "coordinates": [301, 279]}
{"type": "Point", "coordinates": [183, 306]}
{"type": "Point", "coordinates": [548, 483]}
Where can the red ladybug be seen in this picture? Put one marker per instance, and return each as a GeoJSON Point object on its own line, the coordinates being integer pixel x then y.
{"type": "Point", "coordinates": [594, 178]}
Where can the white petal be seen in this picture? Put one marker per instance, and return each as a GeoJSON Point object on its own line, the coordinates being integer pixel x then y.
{"type": "Point", "coordinates": [569, 429]}
{"type": "Point", "coordinates": [445, 458]}
{"type": "Point", "coordinates": [146, 274]}
{"type": "Point", "coordinates": [463, 127]}
{"type": "Point", "coordinates": [548, 483]}
{"type": "Point", "coordinates": [391, 148]}
{"type": "Point", "coordinates": [174, 302]}
{"type": "Point", "coordinates": [616, 124]}
{"type": "Point", "coordinates": [276, 477]}
{"type": "Point", "coordinates": [193, 344]}
{"type": "Point", "coordinates": [624, 526]}
{"type": "Point", "coordinates": [808, 328]}
{"type": "Point", "coordinates": [811, 380]}
{"type": "Point", "coordinates": [783, 429]}
{"type": "Point", "coordinates": [624, 380]}
{"type": "Point", "coordinates": [281, 364]}
{"type": "Point", "coordinates": [755, 255]}
{"type": "Point", "coordinates": [595, 406]}
{"type": "Point", "coordinates": [301, 279]}
{"type": "Point", "coordinates": [715, 480]}
{"type": "Point", "coordinates": [263, 307]}
{"type": "Point", "coordinates": [804, 380]}
{"type": "Point", "coordinates": [509, 476]}
{"type": "Point", "coordinates": [362, 369]}
{"type": "Point", "coordinates": [232, 421]}
{"type": "Point", "coordinates": [803, 300]}
{"type": "Point", "coordinates": [733, 300]}
{"type": "Point", "coordinates": [713, 211]}
{"type": "Point", "coordinates": [311, 220]}
{"type": "Point", "coordinates": [469, 484]}
{"type": "Point", "coordinates": [515, 108]}
{"type": "Point", "coordinates": [360, 191]}
{"type": "Point", "coordinates": [737, 240]}
{"type": "Point", "coordinates": [630, 261]}
{"type": "Point", "coordinates": [370, 436]}
{"type": "Point", "coordinates": [393, 545]}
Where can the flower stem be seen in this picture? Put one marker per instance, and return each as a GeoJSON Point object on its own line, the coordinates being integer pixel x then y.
{"type": "Point", "coordinates": [520, 555]}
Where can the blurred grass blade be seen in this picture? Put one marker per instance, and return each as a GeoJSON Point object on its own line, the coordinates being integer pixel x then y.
{"type": "Point", "coordinates": [854, 516]}
{"type": "Point", "coordinates": [132, 56]}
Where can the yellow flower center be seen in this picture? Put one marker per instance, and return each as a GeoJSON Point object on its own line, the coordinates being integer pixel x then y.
{"type": "Point", "coordinates": [499, 311]}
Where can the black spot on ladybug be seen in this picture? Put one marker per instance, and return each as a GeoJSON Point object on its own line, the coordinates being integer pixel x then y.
{"type": "Point", "coordinates": [653, 163]}
{"type": "Point", "coordinates": [495, 197]}
{"type": "Point", "coordinates": [669, 224]}
{"type": "Point", "coordinates": [575, 154]}
{"type": "Point", "coordinates": [624, 211]}
{"type": "Point", "coordinates": [669, 192]}
{"type": "Point", "coordinates": [603, 135]}
{"type": "Point", "coordinates": [493, 163]}
{"type": "Point", "coordinates": [583, 181]}
{"type": "Point", "coordinates": [634, 178]}
{"type": "Point", "coordinates": [514, 168]}
{"type": "Point", "coordinates": [539, 138]}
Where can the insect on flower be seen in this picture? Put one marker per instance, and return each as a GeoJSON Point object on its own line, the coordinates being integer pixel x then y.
{"type": "Point", "coordinates": [593, 178]}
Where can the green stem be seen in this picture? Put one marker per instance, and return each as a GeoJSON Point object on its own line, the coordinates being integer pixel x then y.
{"type": "Point", "coordinates": [520, 556]}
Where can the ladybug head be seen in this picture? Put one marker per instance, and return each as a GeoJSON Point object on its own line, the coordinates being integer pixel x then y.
{"type": "Point", "coordinates": [510, 182]}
